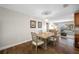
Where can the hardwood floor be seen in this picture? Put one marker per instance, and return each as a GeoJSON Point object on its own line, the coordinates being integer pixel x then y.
{"type": "Point", "coordinates": [64, 46]}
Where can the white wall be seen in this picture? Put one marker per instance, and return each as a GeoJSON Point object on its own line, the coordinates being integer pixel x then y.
{"type": "Point", "coordinates": [15, 28]}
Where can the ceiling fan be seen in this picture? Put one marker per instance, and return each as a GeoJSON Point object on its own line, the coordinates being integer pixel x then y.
{"type": "Point", "coordinates": [65, 5]}
{"type": "Point", "coordinates": [46, 12]}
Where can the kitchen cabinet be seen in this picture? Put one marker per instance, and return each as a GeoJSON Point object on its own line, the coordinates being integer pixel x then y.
{"type": "Point", "coordinates": [77, 40]}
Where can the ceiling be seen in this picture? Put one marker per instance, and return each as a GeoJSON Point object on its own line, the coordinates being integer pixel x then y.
{"type": "Point", "coordinates": [42, 11]}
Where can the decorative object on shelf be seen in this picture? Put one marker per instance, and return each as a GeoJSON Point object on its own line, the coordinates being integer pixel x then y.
{"type": "Point", "coordinates": [32, 24]}
{"type": "Point", "coordinates": [39, 24]}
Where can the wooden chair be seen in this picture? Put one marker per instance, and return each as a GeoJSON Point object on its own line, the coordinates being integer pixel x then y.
{"type": "Point", "coordinates": [36, 41]}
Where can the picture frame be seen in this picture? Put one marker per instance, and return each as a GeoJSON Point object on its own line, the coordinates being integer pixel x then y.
{"type": "Point", "coordinates": [32, 24]}
{"type": "Point", "coordinates": [39, 24]}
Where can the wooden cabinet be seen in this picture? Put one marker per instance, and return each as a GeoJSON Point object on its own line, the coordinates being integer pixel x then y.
{"type": "Point", "coordinates": [77, 40]}
{"type": "Point", "coordinates": [76, 16]}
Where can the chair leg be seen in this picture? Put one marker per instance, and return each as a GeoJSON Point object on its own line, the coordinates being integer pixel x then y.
{"type": "Point", "coordinates": [54, 43]}
{"type": "Point", "coordinates": [36, 49]}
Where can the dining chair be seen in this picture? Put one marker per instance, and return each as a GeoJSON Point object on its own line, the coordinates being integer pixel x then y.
{"type": "Point", "coordinates": [40, 31]}
{"type": "Point", "coordinates": [54, 38]}
{"type": "Point", "coordinates": [36, 41]}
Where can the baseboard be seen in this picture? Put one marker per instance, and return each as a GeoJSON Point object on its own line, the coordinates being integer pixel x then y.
{"type": "Point", "coordinates": [14, 44]}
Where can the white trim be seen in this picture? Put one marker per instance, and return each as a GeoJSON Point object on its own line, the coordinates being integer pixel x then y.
{"type": "Point", "coordinates": [8, 46]}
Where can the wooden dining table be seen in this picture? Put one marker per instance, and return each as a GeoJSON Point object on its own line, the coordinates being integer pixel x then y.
{"type": "Point", "coordinates": [45, 36]}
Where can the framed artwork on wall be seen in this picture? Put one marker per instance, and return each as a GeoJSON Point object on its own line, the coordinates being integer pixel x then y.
{"type": "Point", "coordinates": [39, 24]}
{"type": "Point", "coordinates": [32, 24]}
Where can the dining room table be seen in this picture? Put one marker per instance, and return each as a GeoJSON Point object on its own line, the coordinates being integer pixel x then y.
{"type": "Point", "coordinates": [45, 36]}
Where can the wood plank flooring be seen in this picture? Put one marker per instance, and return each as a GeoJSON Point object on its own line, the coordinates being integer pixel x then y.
{"type": "Point", "coordinates": [64, 46]}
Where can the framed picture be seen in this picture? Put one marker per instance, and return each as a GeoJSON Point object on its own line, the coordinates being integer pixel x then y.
{"type": "Point", "coordinates": [39, 24]}
{"type": "Point", "coordinates": [32, 24]}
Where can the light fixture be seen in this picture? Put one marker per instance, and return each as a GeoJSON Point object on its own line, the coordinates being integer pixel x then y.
{"type": "Point", "coordinates": [46, 12]}
{"type": "Point", "coordinates": [65, 5]}
{"type": "Point", "coordinates": [46, 20]}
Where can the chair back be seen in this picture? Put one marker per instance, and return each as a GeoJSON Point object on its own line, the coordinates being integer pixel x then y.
{"type": "Point", "coordinates": [40, 31]}
{"type": "Point", "coordinates": [34, 36]}
{"type": "Point", "coordinates": [53, 31]}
